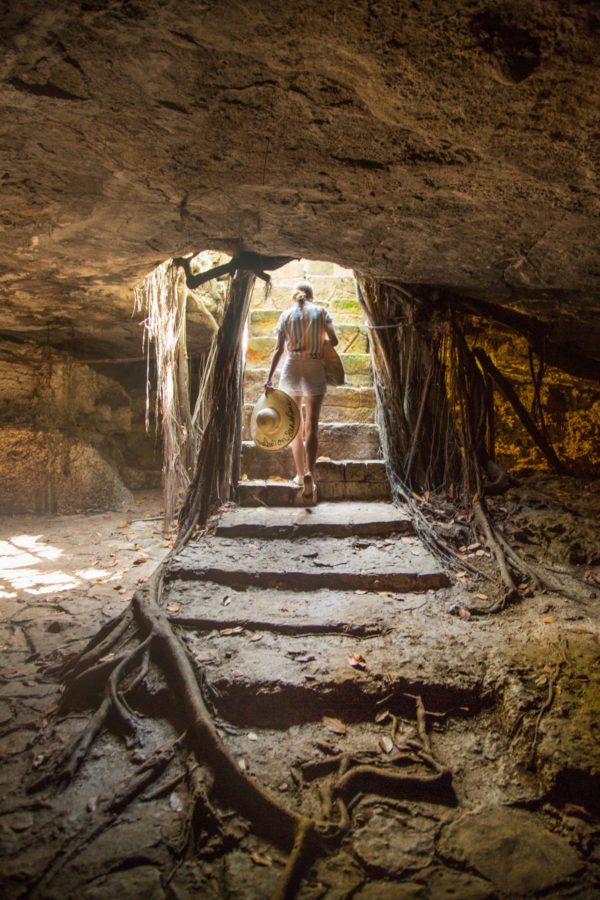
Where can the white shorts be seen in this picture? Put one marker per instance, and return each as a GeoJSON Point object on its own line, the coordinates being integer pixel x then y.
{"type": "Point", "coordinates": [303, 376]}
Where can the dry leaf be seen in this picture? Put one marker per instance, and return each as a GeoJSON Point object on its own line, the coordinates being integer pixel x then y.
{"type": "Point", "coordinates": [139, 560]}
{"type": "Point", "coordinates": [357, 661]}
{"type": "Point", "coordinates": [335, 725]}
{"type": "Point", "coordinates": [541, 680]}
{"type": "Point", "coordinates": [386, 744]}
{"type": "Point", "coordinates": [549, 619]}
{"type": "Point", "coordinates": [482, 596]}
{"type": "Point", "coordinates": [382, 717]}
{"type": "Point", "coordinates": [461, 574]}
{"type": "Point", "coordinates": [260, 860]}
{"type": "Point", "coordinates": [464, 614]}
{"type": "Point", "coordinates": [107, 658]}
{"type": "Point", "coordinates": [173, 607]}
{"type": "Point", "coordinates": [252, 736]}
{"type": "Point", "coordinates": [256, 637]}
{"type": "Point", "coordinates": [227, 631]}
{"type": "Point", "coordinates": [581, 630]}
{"type": "Point", "coordinates": [226, 601]}
{"type": "Point", "coordinates": [474, 546]}
{"type": "Point", "coordinates": [361, 592]}
{"type": "Point", "coordinates": [244, 763]}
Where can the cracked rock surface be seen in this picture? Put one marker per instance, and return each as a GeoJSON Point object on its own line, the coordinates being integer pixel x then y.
{"type": "Point", "coordinates": [450, 144]}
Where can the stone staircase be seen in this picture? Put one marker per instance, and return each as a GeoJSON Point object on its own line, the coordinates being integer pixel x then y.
{"type": "Point", "coordinates": [350, 465]}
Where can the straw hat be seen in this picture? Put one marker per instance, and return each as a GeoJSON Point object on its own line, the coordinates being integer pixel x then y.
{"type": "Point", "coordinates": [275, 421]}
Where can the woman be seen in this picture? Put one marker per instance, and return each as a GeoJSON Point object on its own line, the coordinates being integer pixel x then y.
{"type": "Point", "coordinates": [301, 331]}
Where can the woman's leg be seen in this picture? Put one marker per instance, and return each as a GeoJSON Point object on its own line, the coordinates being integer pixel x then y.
{"type": "Point", "coordinates": [311, 429]}
{"type": "Point", "coordinates": [298, 443]}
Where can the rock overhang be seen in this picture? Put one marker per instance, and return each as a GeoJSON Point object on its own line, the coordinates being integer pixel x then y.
{"type": "Point", "coordinates": [452, 144]}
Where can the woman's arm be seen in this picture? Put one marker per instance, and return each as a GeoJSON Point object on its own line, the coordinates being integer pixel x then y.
{"type": "Point", "coordinates": [331, 334]}
{"type": "Point", "coordinates": [278, 353]}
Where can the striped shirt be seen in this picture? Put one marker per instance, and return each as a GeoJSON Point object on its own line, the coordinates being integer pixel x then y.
{"type": "Point", "coordinates": [304, 329]}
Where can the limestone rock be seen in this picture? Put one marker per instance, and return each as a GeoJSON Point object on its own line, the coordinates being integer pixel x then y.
{"type": "Point", "coordinates": [394, 844]}
{"type": "Point", "coordinates": [511, 849]}
{"type": "Point", "coordinates": [48, 472]}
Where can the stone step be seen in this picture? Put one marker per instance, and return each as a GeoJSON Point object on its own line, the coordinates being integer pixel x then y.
{"type": "Point", "coordinates": [336, 441]}
{"type": "Point", "coordinates": [348, 396]}
{"type": "Point", "coordinates": [326, 288]}
{"type": "Point", "coordinates": [336, 480]}
{"type": "Point", "coordinates": [330, 413]}
{"type": "Point", "coordinates": [331, 519]}
{"type": "Point", "coordinates": [353, 349]}
{"type": "Point", "coordinates": [332, 563]}
{"type": "Point", "coordinates": [357, 367]}
{"type": "Point", "coordinates": [263, 321]}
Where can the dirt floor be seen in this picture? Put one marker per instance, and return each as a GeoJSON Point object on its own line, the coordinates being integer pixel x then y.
{"type": "Point", "coordinates": [329, 662]}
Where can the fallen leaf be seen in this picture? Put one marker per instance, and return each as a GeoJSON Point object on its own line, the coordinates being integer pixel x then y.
{"type": "Point", "coordinates": [482, 596]}
{"type": "Point", "coordinates": [114, 563]}
{"type": "Point", "coordinates": [259, 860]}
{"type": "Point", "coordinates": [464, 613]}
{"type": "Point", "coordinates": [335, 725]}
{"type": "Point", "coordinates": [175, 802]}
{"type": "Point", "coordinates": [357, 661]}
{"type": "Point", "coordinates": [361, 592]}
{"type": "Point", "coordinates": [173, 607]}
{"type": "Point", "coordinates": [382, 717]}
{"type": "Point", "coordinates": [226, 601]}
{"type": "Point", "coordinates": [474, 546]}
{"type": "Point", "coordinates": [9, 671]}
{"type": "Point", "coordinates": [386, 743]}
{"type": "Point", "coordinates": [139, 560]}
{"type": "Point", "coordinates": [256, 637]}
{"type": "Point", "coordinates": [252, 736]}
{"type": "Point", "coordinates": [549, 619]}
{"type": "Point", "coordinates": [107, 658]}
{"type": "Point", "coordinates": [541, 680]}
{"type": "Point", "coordinates": [126, 599]}
{"type": "Point", "coordinates": [227, 631]}
{"type": "Point", "coordinates": [580, 630]}
{"type": "Point", "coordinates": [461, 574]}
{"type": "Point", "coordinates": [244, 763]}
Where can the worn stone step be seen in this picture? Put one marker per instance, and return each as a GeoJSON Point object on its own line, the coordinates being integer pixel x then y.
{"type": "Point", "coordinates": [333, 564]}
{"type": "Point", "coordinates": [336, 441]}
{"type": "Point", "coordinates": [326, 287]}
{"type": "Point", "coordinates": [332, 519]}
{"type": "Point", "coordinates": [336, 480]}
{"type": "Point", "coordinates": [353, 338]}
{"type": "Point", "coordinates": [263, 321]}
{"type": "Point", "coordinates": [348, 396]}
{"type": "Point", "coordinates": [357, 367]}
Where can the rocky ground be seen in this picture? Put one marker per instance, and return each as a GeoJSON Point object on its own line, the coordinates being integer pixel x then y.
{"type": "Point", "coordinates": [309, 673]}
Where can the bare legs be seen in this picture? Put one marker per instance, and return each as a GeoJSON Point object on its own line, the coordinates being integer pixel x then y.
{"type": "Point", "coordinates": [311, 429]}
{"type": "Point", "coordinates": [305, 445]}
{"type": "Point", "coordinates": [298, 443]}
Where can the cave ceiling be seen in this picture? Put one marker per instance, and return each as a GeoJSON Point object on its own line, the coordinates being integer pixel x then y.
{"type": "Point", "coordinates": [440, 143]}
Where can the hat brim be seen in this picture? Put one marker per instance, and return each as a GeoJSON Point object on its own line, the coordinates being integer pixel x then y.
{"type": "Point", "coordinates": [289, 421]}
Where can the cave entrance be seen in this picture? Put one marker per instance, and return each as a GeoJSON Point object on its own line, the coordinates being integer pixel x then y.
{"type": "Point", "coordinates": [349, 465]}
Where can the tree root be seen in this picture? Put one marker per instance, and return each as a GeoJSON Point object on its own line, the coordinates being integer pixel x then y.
{"type": "Point", "coordinates": [509, 562]}
{"type": "Point", "coordinates": [297, 860]}
{"type": "Point", "coordinates": [376, 780]}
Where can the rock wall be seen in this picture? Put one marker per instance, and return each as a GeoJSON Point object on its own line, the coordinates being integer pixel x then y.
{"type": "Point", "coordinates": [71, 438]}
